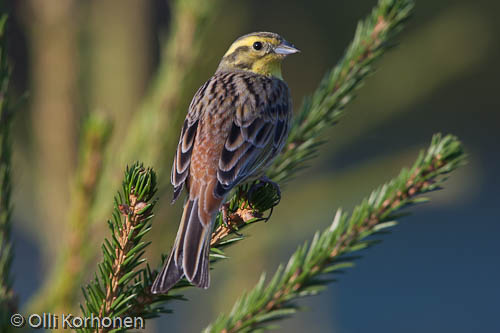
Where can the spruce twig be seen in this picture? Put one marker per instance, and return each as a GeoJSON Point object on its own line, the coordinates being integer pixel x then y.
{"type": "Point", "coordinates": [8, 299]}
{"type": "Point", "coordinates": [306, 269]}
{"type": "Point", "coordinates": [123, 280]}
{"type": "Point", "coordinates": [133, 214]}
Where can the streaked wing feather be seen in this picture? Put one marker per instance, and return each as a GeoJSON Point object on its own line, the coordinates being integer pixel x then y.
{"type": "Point", "coordinates": [251, 144]}
{"type": "Point", "coordinates": [182, 159]}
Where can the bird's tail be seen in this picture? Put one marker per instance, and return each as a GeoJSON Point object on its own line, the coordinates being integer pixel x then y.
{"type": "Point", "coordinates": [190, 255]}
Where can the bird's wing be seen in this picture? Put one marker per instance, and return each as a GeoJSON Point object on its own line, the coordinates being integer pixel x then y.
{"type": "Point", "coordinates": [182, 159]}
{"type": "Point", "coordinates": [258, 132]}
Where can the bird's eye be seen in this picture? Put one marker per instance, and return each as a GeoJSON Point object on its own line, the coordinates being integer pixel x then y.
{"type": "Point", "coordinates": [257, 46]}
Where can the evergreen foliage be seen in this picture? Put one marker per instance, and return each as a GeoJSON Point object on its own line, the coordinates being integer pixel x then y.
{"type": "Point", "coordinates": [121, 286]}
{"type": "Point", "coordinates": [310, 267]}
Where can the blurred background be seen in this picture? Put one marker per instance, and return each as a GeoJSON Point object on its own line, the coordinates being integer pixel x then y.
{"type": "Point", "coordinates": [136, 64]}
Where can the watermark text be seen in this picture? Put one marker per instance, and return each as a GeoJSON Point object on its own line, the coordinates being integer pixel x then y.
{"type": "Point", "coordinates": [70, 321]}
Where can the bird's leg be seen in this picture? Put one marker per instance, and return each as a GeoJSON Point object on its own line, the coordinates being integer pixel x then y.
{"type": "Point", "coordinates": [224, 209]}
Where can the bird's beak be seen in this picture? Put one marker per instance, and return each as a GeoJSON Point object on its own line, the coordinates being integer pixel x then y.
{"type": "Point", "coordinates": [285, 48]}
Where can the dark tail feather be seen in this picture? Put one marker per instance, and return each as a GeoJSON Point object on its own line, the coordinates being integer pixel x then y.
{"type": "Point", "coordinates": [196, 250]}
{"type": "Point", "coordinates": [189, 256]}
{"type": "Point", "coordinates": [168, 277]}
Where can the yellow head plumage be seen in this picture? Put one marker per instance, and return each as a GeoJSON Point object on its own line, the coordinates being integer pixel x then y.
{"type": "Point", "coordinates": [258, 52]}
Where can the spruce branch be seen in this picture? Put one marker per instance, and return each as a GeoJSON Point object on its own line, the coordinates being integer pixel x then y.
{"type": "Point", "coordinates": [122, 284]}
{"type": "Point", "coordinates": [373, 37]}
{"type": "Point", "coordinates": [305, 272]}
{"type": "Point", "coordinates": [8, 299]}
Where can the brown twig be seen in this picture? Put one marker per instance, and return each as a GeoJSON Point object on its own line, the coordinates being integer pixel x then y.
{"type": "Point", "coordinates": [236, 220]}
{"type": "Point", "coordinates": [124, 236]}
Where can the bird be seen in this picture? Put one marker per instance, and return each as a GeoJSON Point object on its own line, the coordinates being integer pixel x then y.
{"type": "Point", "coordinates": [236, 125]}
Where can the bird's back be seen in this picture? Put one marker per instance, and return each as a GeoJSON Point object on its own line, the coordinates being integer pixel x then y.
{"type": "Point", "coordinates": [241, 120]}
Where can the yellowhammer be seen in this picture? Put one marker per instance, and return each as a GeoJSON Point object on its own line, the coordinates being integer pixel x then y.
{"type": "Point", "coordinates": [237, 123]}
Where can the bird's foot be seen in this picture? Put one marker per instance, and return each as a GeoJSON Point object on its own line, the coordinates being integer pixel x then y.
{"type": "Point", "coordinates": [226, 219]}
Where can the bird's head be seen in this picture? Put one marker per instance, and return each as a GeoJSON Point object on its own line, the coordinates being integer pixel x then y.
{"type": "Point", "coordinates": [258, 52]}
